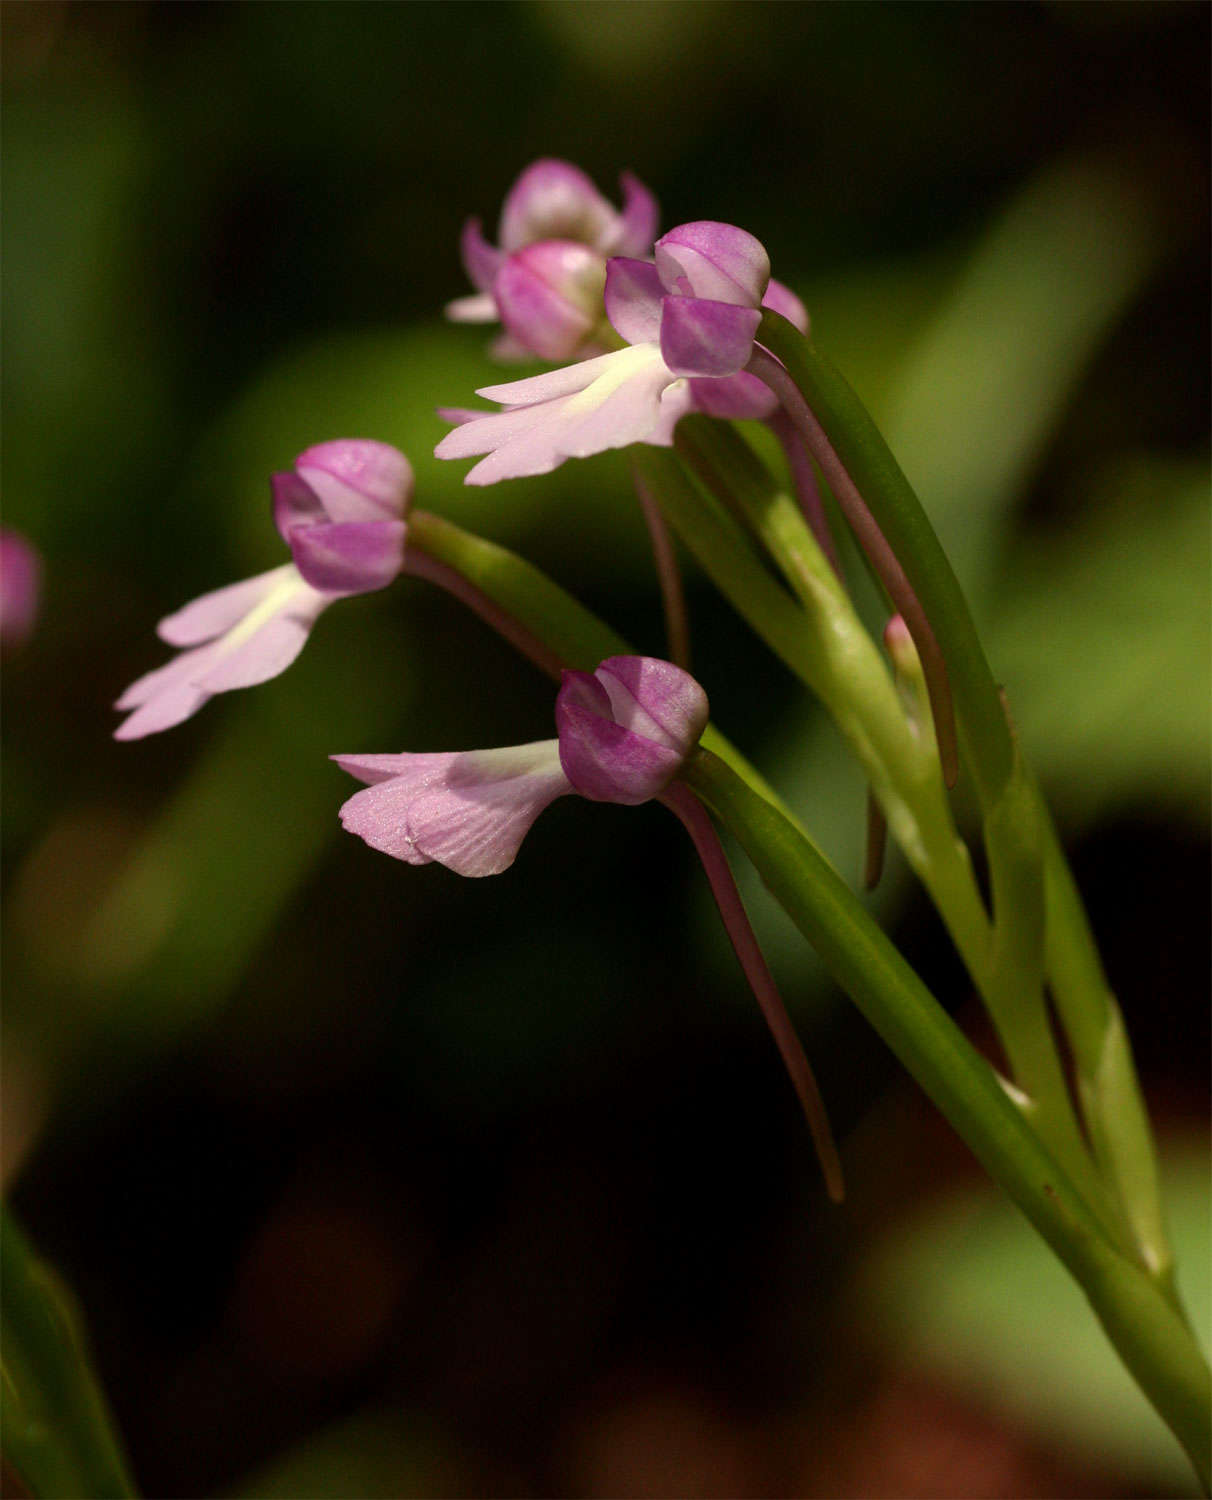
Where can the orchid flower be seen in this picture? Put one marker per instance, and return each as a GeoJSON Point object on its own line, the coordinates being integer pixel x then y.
{"type": "Point", "coordinates": [544, 279]}
{"type": "Point", "coordinates": [623, 733]}
{"type": "Point", "coordinates": [341, 512]}
{"type": "Point", "coordinates": [689, 322]}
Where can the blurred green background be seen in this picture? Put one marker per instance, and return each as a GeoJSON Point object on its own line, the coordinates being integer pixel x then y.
{"type": "Point", "coordinates": [374, 1181]}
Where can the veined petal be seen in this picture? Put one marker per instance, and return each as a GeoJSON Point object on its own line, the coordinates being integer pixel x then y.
{"type": "Point", "coordinates": [351, 557]}
{"type": "Point", "coordinates": [654, 698]}
{"type": "Point", "coordinates": [633, 299]}
{"type": "Point", "coordinates": [467, 810]}
{"type": "Point", "coordinates": [358, 479]}
{"type": "Point", "coordinates": [606, 762]}
{"type": "Point", "coordinates": [209, 615]}
{"type": "Point", "coordinates": [640, 217]}
{"type": "Point", "coordinates": [707, 338]}
{"type": "Point", "coordinates": [713, 261]}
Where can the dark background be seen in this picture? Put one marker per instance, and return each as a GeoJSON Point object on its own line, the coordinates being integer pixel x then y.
{"type": "Point", "coordinates": [374, 1181]}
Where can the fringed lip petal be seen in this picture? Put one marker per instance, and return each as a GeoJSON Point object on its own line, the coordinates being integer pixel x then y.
{"type": "Point", "coordinates": [603, 403]}
{"type": "Point", "coordinates": [208, 616]}
{"type": "Point", "coordinates": [701, 337]}
{"type": "Point", "coordinates": [352, 557]}
{"type": "Point", "coordinates": [467, 810]}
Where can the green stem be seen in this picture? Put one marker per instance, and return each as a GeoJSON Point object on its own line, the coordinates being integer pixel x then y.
{"type": "Point", "coordinates": [845, 669]}
{"type": "Point", "coordinates": [1149, 1333]}
{"type": "Point", "coordinates": [57, 1432]}
{"type": "Point", "coordinates": [900, 517]}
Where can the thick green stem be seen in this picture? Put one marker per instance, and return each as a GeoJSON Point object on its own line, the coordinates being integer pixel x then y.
{"type": "Point", "coordinates": [1147, 1330]}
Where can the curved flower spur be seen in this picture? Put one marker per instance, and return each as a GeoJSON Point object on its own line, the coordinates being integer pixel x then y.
{"type": "Point", "coordinates": [341, 512]}
{"type": "Point", "coordinates": [624, 732]}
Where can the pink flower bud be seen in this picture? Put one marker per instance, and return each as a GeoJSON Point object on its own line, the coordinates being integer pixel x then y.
{"type": "Point", "coordinates": [626, 730]}
{"type": "Point", "coordinates": [550, 297]}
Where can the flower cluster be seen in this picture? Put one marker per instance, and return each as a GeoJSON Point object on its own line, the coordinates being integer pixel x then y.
{"type": "Point", "coordinates": [688, 320]}
{"type": "Point", "coordinates": [544, 279]}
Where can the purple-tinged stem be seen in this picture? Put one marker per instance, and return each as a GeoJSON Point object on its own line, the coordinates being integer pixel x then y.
{"type": "Point", "coordinates": [877, 841]}
{"type": "Point", "coordinates": [695, 819]}
{"type": "Point", "coordinates": [419, 564]}
{"type": "Point", "coordinates": [669, 576]}
{"type": "Point", "coordinates": [807, 490]}
{"type": "Point", "coordinates": [872, 540]}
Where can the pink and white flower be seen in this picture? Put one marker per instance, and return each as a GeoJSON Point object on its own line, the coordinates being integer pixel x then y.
{"type": "Point", "coordinates": [543, 279]}
{"type": "Point", "coordinates": [624, 732]}
{"type": "Point", "coordinates": [341, 511]}
{"type": "Point", "coordinates": [689, 321]}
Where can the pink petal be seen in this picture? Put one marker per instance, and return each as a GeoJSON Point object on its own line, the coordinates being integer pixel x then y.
{"type": "Point", "coordinates": [20, 586]}
{"type": "Point", "coordinates": [640, 218]}
{"type": "Point", "coordinates": [713, 261]}
{"type": "Point", "coordinates": [606, 762]}
{"type": "Point", "coordinates": [480, 259]}
{"type": "Point", "coordinates": [633, 299]}
{"type": "Point", "coordinates": [358, 479]}
{"type": "Point", "coordinates": [212, 614]}
{"type": "Point", "coordinates": [740, 397]}
{"type": "Point", "coordinates": [354, 557]}
{"type": "Point", "coordinates": [480, 307]}
{"type": "Point", "coordinates": [550, 296]}
{"type": "Point", "coordinates": [293, 501]}
{"type": "Point", "coordinates": [553, 200]}
{"type": "Point", "coordinates": [781, 299]}
{"type": "Point", "coordinates": [245, 661]}
{"type": "Point", "coordinates": [468, 810]}
{"type": "Point", "coordinates": [707, 338]}
{"type": "Point", "coordinates": [165, 697]}
{"type": "Point", "coordinates": [654, 698]}
{"type": "Point", "coordinates": [549, 385]}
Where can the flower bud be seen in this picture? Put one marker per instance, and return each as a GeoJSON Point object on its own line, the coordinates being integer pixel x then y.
{"type": "Point", "coordinates": [550, 296]}
{"type": "Point", "coordinates": [627, 730]}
